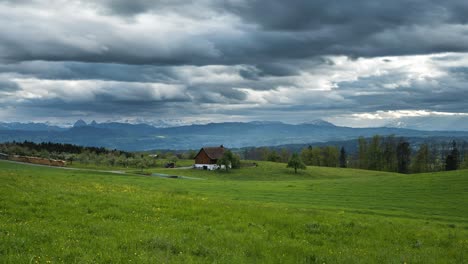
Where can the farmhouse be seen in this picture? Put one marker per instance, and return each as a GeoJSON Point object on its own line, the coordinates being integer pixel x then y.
{"type": "Point", "coordinates": [207, 158]}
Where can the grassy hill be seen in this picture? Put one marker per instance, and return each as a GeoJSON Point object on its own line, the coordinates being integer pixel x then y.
{"type": "Point", "coordinates": [264, 214]}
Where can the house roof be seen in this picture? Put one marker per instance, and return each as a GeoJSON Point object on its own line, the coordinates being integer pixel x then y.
{"type": "Point", "coordinates": [213, 152]}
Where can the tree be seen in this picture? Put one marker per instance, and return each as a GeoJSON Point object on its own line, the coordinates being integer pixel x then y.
{"type": "Point", "coordinates": [389, 155]}
{"type": "Point", "coordinates": [122, 160]}
{"type": "Point", "coordinates": [403, 156]}
{"type": "Point", "coordinates": [111, 160]}
{"type": "Point", "coordinates": [330, 156]}
{"type": "Point", "coordinates": [296, 162]}
{"type": "Point", "coordinates": [273, 156]}
{"type": "Point", "coordinates": [435, 162]}
{"type": "Point", "coordinates": [84, 157]}
{"type": "Point", "coordinates": [306, 155]}
{"type": "Point", "coordinates": [173, 159]}
{"type": "Point", "coordinates": [284, 154]}
{"type": "Point", "coordinates": [421, 160]}
{"type": "Point", "coordinates": [191, 154]}
{"type": "Point", "coordinates": [70, 158]}
{"type": "Point", "coordinates": [343, 163]}
{"type": "Point", "coordinates": [362, 153]}
{"type": "Point", "coordinates": [452, 160]}
{"type": "Point", "coordinates": [263, 152]}
{"type": "Point", "coordinates": [142, 163]}
{"type": "Point", "coordinates": [374, 154]}
{"type": "Point", "coordinates": [317, 156]}
{"type": "Point", "coordinates": [229, 159]}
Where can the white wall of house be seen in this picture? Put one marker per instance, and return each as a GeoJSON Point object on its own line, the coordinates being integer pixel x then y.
{"type": "Point", "coordinates": [209, 166]}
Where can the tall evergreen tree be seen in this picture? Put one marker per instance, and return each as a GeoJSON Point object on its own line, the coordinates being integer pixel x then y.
{"type": "Point", "coordinates": [403, 156]}
{"type": "Point", "coordinates": [452, 160]}
{"type": "Point", "coordinates": [343, 158]}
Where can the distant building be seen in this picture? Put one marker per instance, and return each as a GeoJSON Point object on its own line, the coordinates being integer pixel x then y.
{"type": "Point", "coordinates": [3, 156]}
{"type": "Point", "coordinates": [207, 158]}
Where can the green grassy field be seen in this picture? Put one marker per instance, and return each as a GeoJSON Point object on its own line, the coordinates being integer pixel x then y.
{"type": "Point", "coordinates": [159, 164]}
{"type": "Point", "coordinates": [264, 214]}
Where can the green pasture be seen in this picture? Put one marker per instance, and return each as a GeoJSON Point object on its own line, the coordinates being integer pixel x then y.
{"type": "Point", "coordinates": [264, 214]}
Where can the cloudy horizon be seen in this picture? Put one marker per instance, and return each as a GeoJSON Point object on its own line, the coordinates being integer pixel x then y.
{"type": "Point", "coordinates": [360, 64]}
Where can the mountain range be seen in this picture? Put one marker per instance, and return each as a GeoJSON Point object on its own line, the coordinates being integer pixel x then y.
{"type": "Point", "coordinates": [137, 137]}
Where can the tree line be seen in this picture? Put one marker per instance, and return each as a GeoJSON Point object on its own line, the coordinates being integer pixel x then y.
{"type": "Point", "coordinates": [397, 155]}
{"type": "Point", "coordinates": [91, 155]}
{"type": "Point", "coordinates": [29, 148]}
{"type": "Point", "coordinates": [381, 153]}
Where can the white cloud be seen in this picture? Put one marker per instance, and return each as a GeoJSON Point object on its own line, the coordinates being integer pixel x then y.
{"type": "Point", "coordinates": [89, 90]}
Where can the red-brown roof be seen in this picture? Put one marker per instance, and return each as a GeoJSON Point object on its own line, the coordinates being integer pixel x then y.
{"type": "Point", "coordinates": [213, 152]}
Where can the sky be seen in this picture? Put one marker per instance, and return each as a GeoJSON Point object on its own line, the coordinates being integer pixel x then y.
{"type": "Point", "coordinates": [353, 63]}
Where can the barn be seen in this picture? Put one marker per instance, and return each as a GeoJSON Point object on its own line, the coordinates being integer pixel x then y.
{"type": "Point", "coordinates": [207, 158]}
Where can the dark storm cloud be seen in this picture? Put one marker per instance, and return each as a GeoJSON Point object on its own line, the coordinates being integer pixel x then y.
{"type": "Point", "coordinates": [63, 111]}
{"type": "Point", "coordinates": [123, 7]}
{"type": "Point", "coordinates": [213, 94]}
{"type": "Point", "coordinates": [91, 71]}
{"type": "Point", "coordinates": [300, 15]}
{"type": "Point", "coordinates": [303, 15]}
{"type": "Point", "coordinates": [270, 69]}
{"type": "Point", "coordinates": [268, 31]}
{"type": "Point", "coordinates": [232, 57]}
{"type": "Point", "coordinates": [249, 74]}
{"type": "Point", "coordinates": [98, 106]}
{"type": "Point", "coordinates": [8, 86]}
{"type": "Point", "coordinates": [131, 8]}
{"type": "Point", "coordinates": [444, 94]}
{"type": "Point", "coordinates": [279, 69]}
{"type": "Point", "coordinates": [302, 28]}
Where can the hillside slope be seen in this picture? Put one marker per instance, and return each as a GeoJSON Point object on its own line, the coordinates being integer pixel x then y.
{"type": "Point", "coordinates": [322, 215]}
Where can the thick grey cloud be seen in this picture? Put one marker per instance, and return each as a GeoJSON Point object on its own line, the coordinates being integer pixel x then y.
{"type": "Point", "coordinates": [90, 71]}
{"type": "Point", "coordinates": [305, 15]}
{"type": "Point", "coordinates": [8, 86]}
{"type": "Point", "coordinates": [131, 8]}
{"type": "Point", "coordinates": [290, 60]}
{"type": "Point", "coordinates": [230, 32]}
{"type": "Point", "coordinates": [435, 94]}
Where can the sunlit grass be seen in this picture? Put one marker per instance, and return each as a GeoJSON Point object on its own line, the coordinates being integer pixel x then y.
{"type": "Point", "coordinates": [264, 215]}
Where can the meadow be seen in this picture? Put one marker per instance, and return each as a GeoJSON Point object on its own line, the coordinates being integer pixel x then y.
{"type": "Point", "coordinates": [264, 214]}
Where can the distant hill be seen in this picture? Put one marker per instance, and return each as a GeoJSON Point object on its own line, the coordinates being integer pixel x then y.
{"type": "Point", "coordinates": [29, 126]}
{"type": "Point", "coordinates": [134, 137]}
